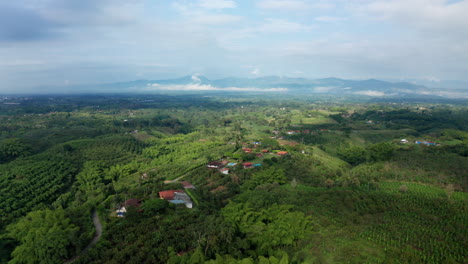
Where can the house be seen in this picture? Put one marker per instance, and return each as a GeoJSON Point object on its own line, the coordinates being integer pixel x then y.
{"type": "Point", "coordinates": [182, 197]}
{"type": "Point", "coordinates": [369, 122]}
{"type": "Point", "coordinates": [176, 197]}
{"type": "Point", "coordinates": [281, 153]}
{"type": "Point", "coordinates": [291, 132]}
{"type": "Point", "coordinates": [215, 165]}
{"type": "Point", "coordinates": [232, 164]}
{"type": "Point", "coordinates": [265, 150]}
{"type": "Point", "coordinates": [404, 141]}
{"type": "Point", "coordinates": [257, 165]}
{"type": "Point", "coordinates": [427, 143]}
{"type": "Point", "coordinates": [256, 143]}
{"type": "Point", "coordinates": [224, 171]}
{"type": "Point", "coordinates": [247, 150]}
{"type": "Point", "coordinates": [129, 203]}
{"type": "Point", "coordinates": [187, 185]}
{"type": "Point", "coordinates": [247, 165]}
{"type": "Point", "coordinates": [259, 155]}
{"type": "Point", "coordinates": [168, 195]}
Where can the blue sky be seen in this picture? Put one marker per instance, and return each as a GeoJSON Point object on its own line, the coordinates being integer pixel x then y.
{"type": "Point", "coordinates": [57, 42]}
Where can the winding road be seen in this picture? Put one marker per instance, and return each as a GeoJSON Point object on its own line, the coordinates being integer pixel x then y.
{"type": "Point", "coordinates": [97, 236]}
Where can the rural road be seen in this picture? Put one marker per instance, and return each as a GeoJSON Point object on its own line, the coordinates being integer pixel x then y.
{"type": "Point", "coordinates": [97, 236]}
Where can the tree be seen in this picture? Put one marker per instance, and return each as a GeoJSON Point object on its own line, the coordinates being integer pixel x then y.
{"type": "Point", "coordinates": [270, 175]}
{"type": "Point", "coordinates": [380, 151]}
{"type": "Point", "coordinates": [270, 227]}
{"type": "Point", "coordinates": [354, 155]}
{"type": "Point", "coordinates": [45, 237]}
{"type": "Point", "coordinates": [154, 206]}
{"type": "Point", "coordinates": [12, 148]}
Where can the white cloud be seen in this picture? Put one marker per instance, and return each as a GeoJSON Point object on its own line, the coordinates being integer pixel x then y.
{"type": "Point", "coordinates": [214, 19]}
{"type": "Point", "coordinates": [255, 72]}
{"type": "Point", "coordinates": [195, 78]}
{"type": "Point", "coordinates": [21, 63]}
{"type": "Point", "coordinates": [281, 26]}
{"type": "Point", "coordinates": [430, 16]}
{"type": "Point", "coordinates": [217, 4]}
{"type": "Point", "coordinates": [296, 5]}
{"type": "Point", "coordinates": [204, 87]}
{"type": "Point", "coordinates": [371, 93]}
{"type": "Point", "coordinates": [329, 19]}
{"type": "Point", "coordinates": [196, 15]}
{"type": "Point", "coordinates": [323, 89]}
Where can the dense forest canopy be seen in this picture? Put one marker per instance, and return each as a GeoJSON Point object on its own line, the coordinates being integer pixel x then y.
{"type": "Point", "coordinates": [253, 178]}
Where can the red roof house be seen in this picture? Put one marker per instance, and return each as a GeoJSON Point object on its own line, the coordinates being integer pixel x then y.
{"type": "Point", "coordinates": [280, 153]}
{"type": "Point", "coordinates": [248, 165]}
{"type": "Point", "coordinates": [168, 195]}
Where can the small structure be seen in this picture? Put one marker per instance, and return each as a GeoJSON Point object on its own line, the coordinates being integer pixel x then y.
{"type": "Point", "coordinates": [427, 143]}
{"type": "Point", "coordinates": [187, 185]}
{"type": "Point", "coordinates": [215, 165]}
{"type": "Point", "coordinates": [129, 203]}
{"type": "Point", "coordinates": [404, 141]}
{"type": "Point", "coordinates": [224, 171]}
{"type": "Point", "coordinates": [259, 155]}
{"type": "Point", "coordinates": [257, 165]}
{"type": "Point", "coordinates": [281, 153]}
{"type": "Point", "coordinates": [369, 122]}
{"type": "Point", "coordinates": [248, 165]}
{"type": "Point", "coordinates": [291, 132]}
{"type": "Point", "coordinates": [247, 150]}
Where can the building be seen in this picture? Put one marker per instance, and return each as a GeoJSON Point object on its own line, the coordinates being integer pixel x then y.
{"type": "Point", "coordinates": [168, 195]}
{"type": "Point", "coordinates": [176, 197]}
{"type": "Point", "coordinates": [129, 203]}
{"type": "Point", "coordinates": [187, 185]}
{"type": "Point", "coordinates": [215, 165]}
{"type": "Point", "coordinates": [248, 165]}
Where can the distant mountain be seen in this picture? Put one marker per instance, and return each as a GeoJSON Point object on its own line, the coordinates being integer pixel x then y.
{"type": "Point", "coordinates": [371, 87]}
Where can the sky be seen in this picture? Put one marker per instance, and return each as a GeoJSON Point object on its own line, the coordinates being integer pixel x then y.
{"type": "Point", "coordinates": [60, 43]}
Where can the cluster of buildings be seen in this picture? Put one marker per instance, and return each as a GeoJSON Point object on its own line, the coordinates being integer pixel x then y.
{"type": "Point", "coordinates": [178, 196]}
{"type": "Point", "coordinates": [427, 143]}
{"type": "Point", "coordinates": [172, 196]}
{"type": "Point", "coordinates": [295, 132]}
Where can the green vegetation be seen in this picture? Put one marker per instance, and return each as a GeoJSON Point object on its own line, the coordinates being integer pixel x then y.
{"type": "Point", "coordinates": [308, 180]}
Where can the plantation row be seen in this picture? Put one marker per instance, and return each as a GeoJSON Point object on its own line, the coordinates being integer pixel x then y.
{"type": "Point", "coordinates": [26, 184]}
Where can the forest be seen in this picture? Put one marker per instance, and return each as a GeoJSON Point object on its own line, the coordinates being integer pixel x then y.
{"type": "Point", "coordinates": [265, 179]}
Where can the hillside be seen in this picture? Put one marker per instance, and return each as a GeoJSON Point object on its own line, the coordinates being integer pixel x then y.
{"type": "Point", "coordinates": [223, 179]}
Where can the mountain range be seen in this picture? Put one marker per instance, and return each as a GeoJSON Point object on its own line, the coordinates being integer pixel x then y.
{"type": "Point", "coordinates": [370, 87]}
